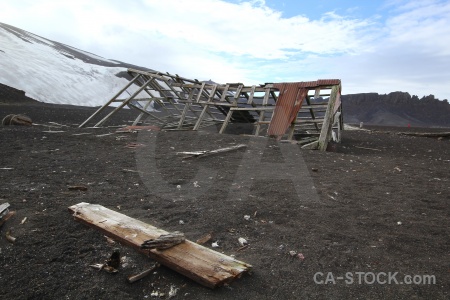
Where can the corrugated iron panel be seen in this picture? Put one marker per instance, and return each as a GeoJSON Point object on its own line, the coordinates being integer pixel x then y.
{"type": "Point", "coordinates": [290, 101]}
{"type": "Point", "coordinates": [288, 104]}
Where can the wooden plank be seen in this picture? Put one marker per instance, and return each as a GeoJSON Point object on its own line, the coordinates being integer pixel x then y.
{"type": "Point", "coordinates": [254, 108]}
{"type": "Point", "coordinates": [237, 94]}
{"type": "Point", "coordinates": [427, 134]}
{"type": "Point", "coordinates": [205, 108]}
{"type": "Point", "coordinates": [205, 266]}
{"type": "Point", "coordinates": [311, 146]}
{"type": "Point", "coordinates": [252, 94]}
{"type": "Point", "coordinates": [325, 133]}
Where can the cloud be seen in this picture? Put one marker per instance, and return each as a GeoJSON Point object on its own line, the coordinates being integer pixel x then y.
{"type": "Point", "coordinates": [247, 41]}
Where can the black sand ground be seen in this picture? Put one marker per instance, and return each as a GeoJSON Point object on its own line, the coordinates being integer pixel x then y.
{"type": "Point", "coordinates": [383, 209]}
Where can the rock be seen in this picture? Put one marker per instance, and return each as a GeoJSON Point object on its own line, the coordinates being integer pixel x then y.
{"type": "Point", "coordinates": [17, 120]}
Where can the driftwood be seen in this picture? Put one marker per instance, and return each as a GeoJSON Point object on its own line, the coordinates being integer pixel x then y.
{"type": "Point", "coordinates": [164, 241]}
{"type": "Point", "coordinates": [205, 266]}
{"type": "Point", "coordinates": [211, 152]}
{"type": "Point", "coordinates": [141, 275]}
{"type": "Point", "coordinates": [427, 134]}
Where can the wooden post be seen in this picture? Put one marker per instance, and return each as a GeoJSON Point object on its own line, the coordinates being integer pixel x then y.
{"type": "Point", "coordinates": [237, 94]}
{"type": "Point", "coordinates": [325, 133]}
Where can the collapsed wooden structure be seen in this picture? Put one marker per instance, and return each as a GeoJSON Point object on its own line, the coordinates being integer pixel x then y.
{"type": "Point", "coordinates": [308, 112]}
{"type": "Point", "coordinates": [203, 265]}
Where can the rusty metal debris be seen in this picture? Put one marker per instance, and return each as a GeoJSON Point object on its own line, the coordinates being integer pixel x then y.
{"type": "Point", "coordinates": [307, 112]}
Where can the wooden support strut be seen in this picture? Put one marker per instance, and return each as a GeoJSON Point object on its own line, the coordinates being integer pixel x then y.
{"type": "Point", "coordinates": [110, 101]}
{"type": "Point", "coordinates": [325, 133]}
{"type": "Point", "coordinates": [124, 103]}
{"type": "Point", "coordinates": [205, 266]}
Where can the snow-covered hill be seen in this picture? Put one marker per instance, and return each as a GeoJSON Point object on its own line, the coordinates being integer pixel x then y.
{"type": "Point", "coordinates": [52, 72]}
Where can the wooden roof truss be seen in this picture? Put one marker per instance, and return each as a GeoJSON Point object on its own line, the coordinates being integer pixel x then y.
{"type": "Point", "coordinates": [176, 103]}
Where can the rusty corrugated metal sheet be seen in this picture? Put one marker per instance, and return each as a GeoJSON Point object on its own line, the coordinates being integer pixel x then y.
{"type": "Point", "coordinates": [290, 101]}
{"type": "Point", "coordinates": [288, 104]}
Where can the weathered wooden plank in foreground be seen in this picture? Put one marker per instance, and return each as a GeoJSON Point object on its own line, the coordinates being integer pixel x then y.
{"type": "Point", "coordinates": [205, 266]}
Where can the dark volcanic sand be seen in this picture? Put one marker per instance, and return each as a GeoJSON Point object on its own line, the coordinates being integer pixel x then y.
{"type": "Point", "coordinates": [362, 210]}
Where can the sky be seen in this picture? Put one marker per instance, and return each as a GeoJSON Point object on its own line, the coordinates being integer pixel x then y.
{"type": "Point", "coordinates": [372, 46]}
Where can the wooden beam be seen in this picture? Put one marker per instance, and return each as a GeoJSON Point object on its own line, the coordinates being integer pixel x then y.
{"type": "Point", "coordinates": [203, 265]}
{"type": "Point", "coordinates": [325, 133]}
{"type": "Point", "coordinates": [113, 99]}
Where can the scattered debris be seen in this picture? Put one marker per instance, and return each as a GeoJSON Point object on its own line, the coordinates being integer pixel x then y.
{"type": "Point", "coordinates": [215, 244]}
{"type": "Point", "coordinates": [165, 241]}
{"type": "Point", "coordinates": [314, 169]}
{"type": "Point", "coordinates": [104, 267]}
{"type": "Point", "coordinates": [131, 129]}
{"type": "Point", "coordinates": [350, 127]}
{"type": "Point", "coordinates": [111, 265]}
{"type": "Point", "coordinates": [17, 120]}
{"type": "Point", "coordinates": [131, 171]}
{"type": "Point", "coordinates": [5, 214]}
{"type": "Point", "coordinates": [210, 152]}
{"type": "Point", "coordinates": [173, 291]}
{"type": "Point", "coordinates": [6, 168]}
{"type": "Point", "coordinates": [196, 184]}
{"type": "Point", "coordinates": [203, 265]}
{"type": "Point", "coordinates": [242, 248]}
{"type": "Point", "coordinates": [53, 131]}
{"type": "Point", "coordinates": [133, 145]}
{"type": "Point", "coordinates": [105, 134]}
{"type": "Point", "coordinates": [427, 134]}
{"type": "Point", "coordinates": [9, 237]}
{"type": "Point", "coordinates": [114, 260]}
{"type": "Point", "coordinates": [242, 241]}
{"type": "Point", "coordinates": [399, 223]}
{"type": "Point", "coordinates": [109, 240]}
{"type": "Point", "coordinates": [367, 148]}
{"type": "Point", "coordinates": [23, 221]}
{"type": "Point", "coordinates": [157, 294]}
{"type": "Point", "coordinates": [247, 217]}
{"type": "Point", "coordinates": [397, 169]}
{"type": "Point", "coordinates": [300, 256]}
{"type": "Point", "coordinates": [82, 133]}
{"type": "Point", "coordinates": [292, 253]}
{"type": "Point", "coordinates": [204, 239]}
{"type": "Point", "coordinates": [77, 188]}
{"type": "Point", "coordinates": [141, 275]}
{"type": "Point", "coordinates": [4, 209]}
{"type": "Point", "coordinates": [181, 222]}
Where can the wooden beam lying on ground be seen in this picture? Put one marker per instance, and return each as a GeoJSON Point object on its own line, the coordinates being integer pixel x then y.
{"type": "Point", "coordinates": [427, 134]}
{"type": "Point", "coordinates": [201, 264]}
{"type": "Point", "coordinates": [211, 152]}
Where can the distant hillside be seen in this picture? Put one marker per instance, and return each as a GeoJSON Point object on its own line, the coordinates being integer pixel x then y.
{"type": "Point", "coordinates": [396, 109]}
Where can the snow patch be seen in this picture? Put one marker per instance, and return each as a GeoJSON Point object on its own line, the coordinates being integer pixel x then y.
{"type": "Point", "coordinates": [48, 75]}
